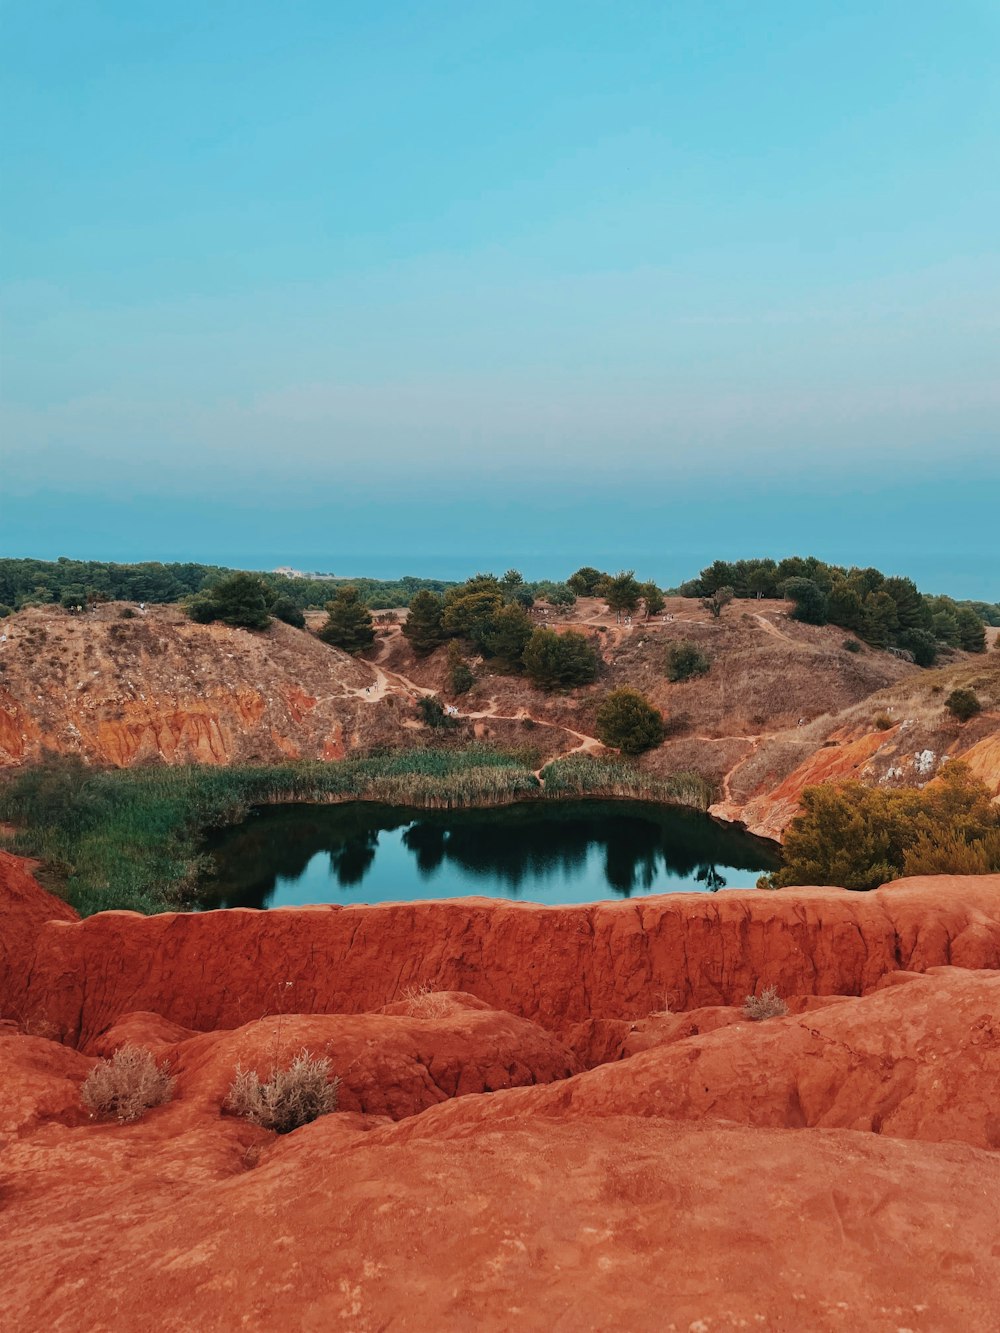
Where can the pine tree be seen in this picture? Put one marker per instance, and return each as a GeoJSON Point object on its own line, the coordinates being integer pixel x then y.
{"type": "Point", "coordinates": [348, 622]}
{"type": "Point", "coordinates": [423, 625]}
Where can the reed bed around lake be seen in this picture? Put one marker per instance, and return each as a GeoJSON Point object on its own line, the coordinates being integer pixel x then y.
{"type": "Point", "coordinates": [581, 775]}
{"type": "Point", "coordinates": [129, 838]}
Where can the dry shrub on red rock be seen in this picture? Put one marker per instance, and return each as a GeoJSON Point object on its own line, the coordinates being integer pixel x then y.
{"type": "Point", "coordinates": [126, 1085]}
{"type": "Point", "coordinates": [290, 1098]}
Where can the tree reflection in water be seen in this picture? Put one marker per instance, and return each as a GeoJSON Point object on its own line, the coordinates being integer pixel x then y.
{"type": "Point", "coordinates": [570, 851]}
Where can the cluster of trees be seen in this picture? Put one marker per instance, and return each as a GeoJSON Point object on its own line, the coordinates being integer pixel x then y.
{"type": "Point", "coordinates": [243, 600]}
{"type": "Point", "coordinates": [622, 591]}
{"type": "Point", "coordinates": [492, 614]}
{"type": "Point", "coordinates": [76, 584]}
{"type": "Point", "coordinates": [861, 837]}
{"type": "Point", "coordinates": [884, 611]}
{"type": "Point", "coordinates": [80, 583]}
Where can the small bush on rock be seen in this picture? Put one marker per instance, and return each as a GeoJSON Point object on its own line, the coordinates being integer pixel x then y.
{"type": "Point", "coordinates": [768, 1004]}
{"type": "Point", "coordinates": [290, 1098]}
{"type": "Point", "coordinates": [126, 1085]}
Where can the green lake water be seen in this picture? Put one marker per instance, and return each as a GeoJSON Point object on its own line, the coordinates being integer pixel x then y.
{"type": "Point", "coordinates": [540, 852]}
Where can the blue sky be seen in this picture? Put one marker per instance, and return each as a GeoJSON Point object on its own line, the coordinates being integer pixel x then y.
{"type": "Point", "coordinates": [422, 287]}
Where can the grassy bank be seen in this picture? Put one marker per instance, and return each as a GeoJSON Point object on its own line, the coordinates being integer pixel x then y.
{"type": "Point", "coordinates": [580, 775]}
{"type": "Point", "coordinates": [129, 838]}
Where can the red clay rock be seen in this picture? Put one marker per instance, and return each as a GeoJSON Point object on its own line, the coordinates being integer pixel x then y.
{"type": "Point", "coordinates": [555, 965]}
{"type": "Point", "coordinates": [584, 1226]}
{"type": "Point", "coordinates": [40, 1081]}
{"type": "Point", "coordinates": [389, 1064]}
{"type": "Point", "coordinates": [24, 908]}
{"type": "Point", "coordinates": [918, 1061]}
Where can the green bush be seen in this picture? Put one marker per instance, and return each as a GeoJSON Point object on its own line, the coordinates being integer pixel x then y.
{"type": "Point", "coordinates": [559, 661]}
{"type": "Point", "coordinates": [861, 837]}
{"type": "Point", "coordinates": [241, 600]}
{"type": "Point", "coordinates": [963, 704]}
{"type": "Point", "coordinates": [627, 721]}
{"type": "Point", "coordinates": [851, 646]}
{"type": "Point", "coordinates": [685, 660]}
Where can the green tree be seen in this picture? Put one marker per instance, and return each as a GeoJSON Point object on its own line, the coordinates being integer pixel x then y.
{"type": "Point", "coordinates": [810, 600]}
{"type": "Point", "coordinates": [285, 609]}
{"type": "Point", "coordinates": [508, 634]}
{"type": "Point", "coordinates": [623, 593]}
{"type": "Point", "coordinates": [460, 676]}
{"type": "Point", "coordinates": [685, 660]}
{"type": "Point", "coordinates": [627, 721]}
{"type": "Point", "coordinates": [423, 627]}
{"type": "Point", "coordinates": [652, 599]}
{"type": "Point", "coordinates": [471, 608]}
{"type": "Point", "coordinates": [584, 582]}
{"type": "Point", "coordinates": [912, 612]}
{"type": "Point", "coordinates": [348, 622]}
{"type": "Point", "coordinates": [242, 600]}
{"type": "Point", "coordinates": [972, 631]}
{"type": "Point", "coordinates": [861, 837]}
{"type": "Point", "coordinates": [560, 661]}
{"type": "Point", "coordinates": [717, 601]}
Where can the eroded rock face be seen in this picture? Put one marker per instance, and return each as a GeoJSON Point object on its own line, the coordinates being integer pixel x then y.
{"type": "Point", "coordinates": [559, 966]}
{"type": "Point", "coordinates": [25, 907]}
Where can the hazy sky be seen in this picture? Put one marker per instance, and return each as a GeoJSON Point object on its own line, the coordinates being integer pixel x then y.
{"type": "Point", "coordinates": [420, 287]}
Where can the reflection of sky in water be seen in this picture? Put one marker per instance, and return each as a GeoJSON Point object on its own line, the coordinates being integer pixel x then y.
{"type": "Point", "coordinates": [572, 853]}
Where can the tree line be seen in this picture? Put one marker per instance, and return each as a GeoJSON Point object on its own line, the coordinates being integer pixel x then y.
{"type": "Point", "coordinates": [886, 611]}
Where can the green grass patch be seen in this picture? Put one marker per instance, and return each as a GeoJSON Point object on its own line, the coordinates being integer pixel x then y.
{"type": "Point", "coordinates": [581, 775]}
{"type": "Point", "coordinates": [129, 838]}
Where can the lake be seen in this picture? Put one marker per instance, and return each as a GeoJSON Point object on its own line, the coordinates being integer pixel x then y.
{"type": "Point", "coordinates": [540, 852]}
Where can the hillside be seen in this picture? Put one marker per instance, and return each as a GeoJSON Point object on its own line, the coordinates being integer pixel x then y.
{"type": "Point", "coordinates": [783, 704]}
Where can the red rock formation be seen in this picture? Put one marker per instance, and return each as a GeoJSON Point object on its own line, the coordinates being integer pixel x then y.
{"type": "Point", "coordinates": [555, 965]}
{"type": "Point", "coordinates": [24, 909]}
{"type": "Point", "coordinates": [392, 1065]}
{"type": "Point", "coordinates": [455, 1221]}
{"type": "Point", "coordinates": [834, 1169]}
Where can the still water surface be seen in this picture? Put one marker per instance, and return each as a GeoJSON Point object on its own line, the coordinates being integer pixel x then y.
{"type": "Point", "coordinates": [541, 852]}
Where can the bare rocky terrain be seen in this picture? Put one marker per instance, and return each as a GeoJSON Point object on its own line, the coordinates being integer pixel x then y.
{"type": "Point", "coordinates": [549, 1118]}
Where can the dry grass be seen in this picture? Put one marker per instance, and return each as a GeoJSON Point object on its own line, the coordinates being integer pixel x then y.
{"type": "Point", "coordinates": [768, 1004]}
{"type": "Point", "coordinates": [287, 1100]}
{"type": "Point", "coordinates": [126, 1085]}
{"type": "Point", "coordinates": [425, 1002]}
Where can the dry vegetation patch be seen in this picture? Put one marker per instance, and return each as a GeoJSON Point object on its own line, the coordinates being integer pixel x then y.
{"type": "Point", "coordinates": [126, 1085]}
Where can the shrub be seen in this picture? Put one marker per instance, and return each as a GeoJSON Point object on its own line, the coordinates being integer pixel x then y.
{"type": "Point", "coordinates": [963, 704]}
{"type": "Point", "coordinates": [718, 601]}
{"type": "Point", "coordinates": [559, 661]}
{"type": "Point", "coordinates": [290, 1098]}
{"type": "Point", "coordinates": [629, 722]}
{"type": "Point", "coordinates": [126, 614]}
{"type": "Point", "coordinates": [285, 609]}
{"type": "Point", "coordinates": [126, 1085]}
{"type": "Point", "coordinates": [861, 837]}
{"type": "Point", "coordinates": [460, 676]}
{"type": "Point", "coordinates": [685, 660]}
{"type": "Point", "coordinates": [768, 1004]}
{"type": "Point", "coordinates": [425, 1002]}
{"type": "Point", "coordinates": [883, 722]}
{"type": "Point", "coordinates": [241, 600]}
{"type": "Point", "coordinates": [851, 646]}
{"type": "Point", "coordinates": [432, 713]}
